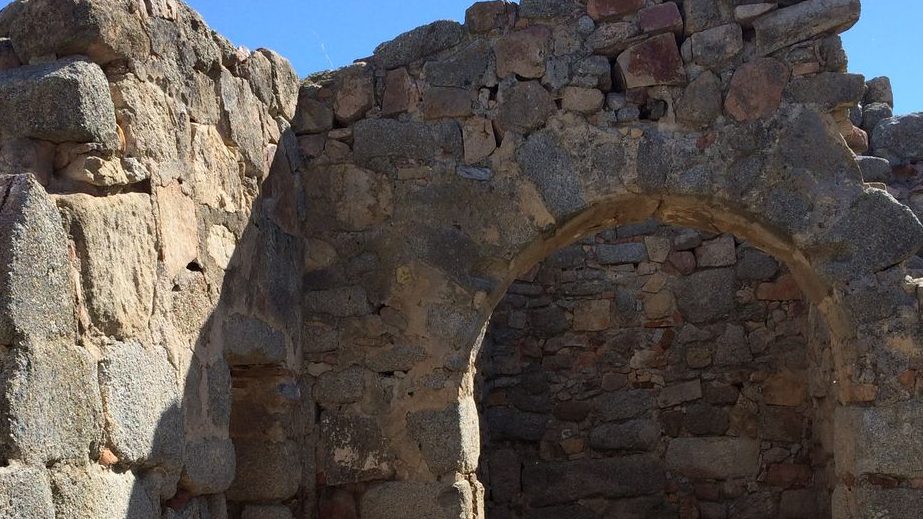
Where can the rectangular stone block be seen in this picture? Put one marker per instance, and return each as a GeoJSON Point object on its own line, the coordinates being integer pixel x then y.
{"type": "Point", "coordinates": [879, 440]}
{"type": "Point", "coordinates": [266, 471]}
{"type": "Point", "coordinates": [803, 21]}
{"type": "Point", "coordinates": [354, 449]}
{"type": "Point", "coordinates": [550, 483]}
{"type": "Point", "coordinates": [50, 408]}
{"type": "Point", "coordinates": [417, 499]}
{"type": "Point", "coordinates": [142, 404]}
{"type": "Point", "coordinates": [91, 491]}
{"type": "Point", "coordinates": [714, 458]}
{"type": "Point", "coordinates": [34, 302]}
{"type": "Point", "coordinates": [114, 236]}
{"type": "Point", "coordinates": [62, 101]}
{"type": "Point", "coordinates": [387, 138]}
{"type": "Point", "coordinates": [449, 438]}
{"type": "Point", "coordinates": [250, 341]}
{"type": "Point", "coordinates": [25, 493]}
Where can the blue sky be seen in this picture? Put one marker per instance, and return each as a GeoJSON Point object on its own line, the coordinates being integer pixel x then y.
{"type": "Point", "coordinates": [322, 34]}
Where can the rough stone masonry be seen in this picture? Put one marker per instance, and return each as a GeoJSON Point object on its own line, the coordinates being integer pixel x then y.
{"type": "Point", "coordinates": [601, 258]}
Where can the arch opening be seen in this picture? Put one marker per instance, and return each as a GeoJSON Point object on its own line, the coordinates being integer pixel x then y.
{"type": "Point", "coordinates": [651, 371]}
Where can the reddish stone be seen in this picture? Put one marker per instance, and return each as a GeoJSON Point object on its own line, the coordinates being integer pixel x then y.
{"type": "Point", "coordinates": [857, 139]}
{"type": "Point", "coordinates": [523, 52]}
{"type": "Point", "coordinates": [399, 94]}
{"type": "Point", "coordinates": [683, 262]}
{"type": "Point", "coordinates": [337, 505]}
{"type": "Point", "coordinates": [609, 9]}
{"type": "Point", "coordinates": [788, 475]}
{"type": "Point", "coordinates": [107, 458]}
{"type": "Point", "coordinates": [655, 61]}
{"type": "Point", "coordinates": [486, 16]}
{"type": "Point", "coordinates": [355, 94]}
{"type": "Point", "coordinates": [908, 379]}
{"type": "Point", "coordinates": [636, 96]}
{"type": "Point", "coordinates": [883, 480]}
{"type": "Point", "coordinates": [756, 89]}
{"type": "Point", "coordinates": [783, 289]}
{"type": "Point", "coordinates": [661, 18]}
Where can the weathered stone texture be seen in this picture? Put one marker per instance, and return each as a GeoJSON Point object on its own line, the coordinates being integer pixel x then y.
{"type": "Point", "coordinates": [653, 62]}
{"type": "Point", "coordinates": [63, 101]}
{"type": "Point", "coordinates": [430, 500]}
{"type": "Point", "coordinates": [898, 139]}
{"type": "Point", "coordinates": [115, 242]}
{"type": "Point", "coordinates": [34, 302]}
{"type": "Point", "coordinates": [25, 493]}
{"type": "Point", "coordinates": [419, 43]}
{"type": "Point", "coordinates": [714, 458]}
{"type": "Point", "coordinates": [97, 492]}
{"type": "Point", "coordinates": [142, 404]}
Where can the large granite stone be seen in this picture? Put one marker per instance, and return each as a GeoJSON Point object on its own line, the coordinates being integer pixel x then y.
{"type": "Point", "coordinates": [880, 440]}
{"type": "Point", "coordinates": [387, 138]}
{"type": "Point", "coordinates": [34, 302]}
{"type": "Point", "coordinates": [621, 405]}
{"type": "Point", "coordinates": [899, 139]}
{"type": "Point", "coordinates": [25, 493]}
{"type": "Point", "coordinates": [714, 458]}
{"type": "Point", "coordinates": [104, 30]}
{"type": "Point", "coordinates": [115, 244]}
{"type": "Point", "coordinates": [655, 61]}
{"type": "Point", "coordinates": [142, 404]}
{"type": "Point", "coordinates": [706, 295]}
{"type": "Point", "coordinates": [419, 43]}
{"type": "Point", "coordinates": [634, 435]}
{"type": "Point", "coordinates": [62, 101]}
{"type": "Point", "coordinates": [803, 21]}
{"type": "Point", "coordinates": [91, 491]}
{"type": "Point", "coordinates": [756, 89]}
{"type": "Point", "coordinates": [266, 470]}
{"type": "Point", "coordinates": [250, 341]}
{"type": "Point", "coordinates": [209, 465]}
{"type": "Point", "coordinates": [354, 449]}
{"type": "Point", "coordinates": [449, 438]}
{"type": "Point", "coordinates": [524, 107]}
{"type": "Point", "coordinates": [50, 408]}
{"type": "Point", "coordinates": [418, 500]}
{"type": "Point", "coordinates": [522, 53]}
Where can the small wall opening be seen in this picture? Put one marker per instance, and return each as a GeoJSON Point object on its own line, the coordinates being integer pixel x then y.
{"type": "Point", "coordinates": [652, 371]}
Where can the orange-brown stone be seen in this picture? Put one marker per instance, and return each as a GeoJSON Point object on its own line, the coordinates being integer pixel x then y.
{"type": "Point", "coordinates": [609, 9]}
{"type": "Point", "coordinates": [756, 90]}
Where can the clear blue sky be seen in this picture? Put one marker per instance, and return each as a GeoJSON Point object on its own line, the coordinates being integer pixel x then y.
{"type": "Point", "coordinates": [321, 34]}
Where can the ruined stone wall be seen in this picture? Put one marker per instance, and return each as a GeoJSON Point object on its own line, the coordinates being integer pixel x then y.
{"type": "Point", "coordinates": [652, 371]}
{"type": "Point", "coordinates": [133, 145]}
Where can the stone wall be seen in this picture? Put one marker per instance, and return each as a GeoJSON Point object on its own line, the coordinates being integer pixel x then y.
{"type": "Point", "coordinates": [133, 147]}
{"type": "Point", "coordinates": [652, 371]}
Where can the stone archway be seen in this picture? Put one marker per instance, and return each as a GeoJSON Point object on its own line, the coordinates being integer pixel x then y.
{"type": "Point", "coordinates": [459, 156]}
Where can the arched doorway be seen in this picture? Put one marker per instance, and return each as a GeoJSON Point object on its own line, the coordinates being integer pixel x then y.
{"type": "Point", "coordinates": [440, 171]}
{"type": "Point", "coordinates": [654, 371]}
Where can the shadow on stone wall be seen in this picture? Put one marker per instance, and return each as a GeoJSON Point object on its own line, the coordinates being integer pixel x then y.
{"type": "Point", "coordinates": [241, 413]}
